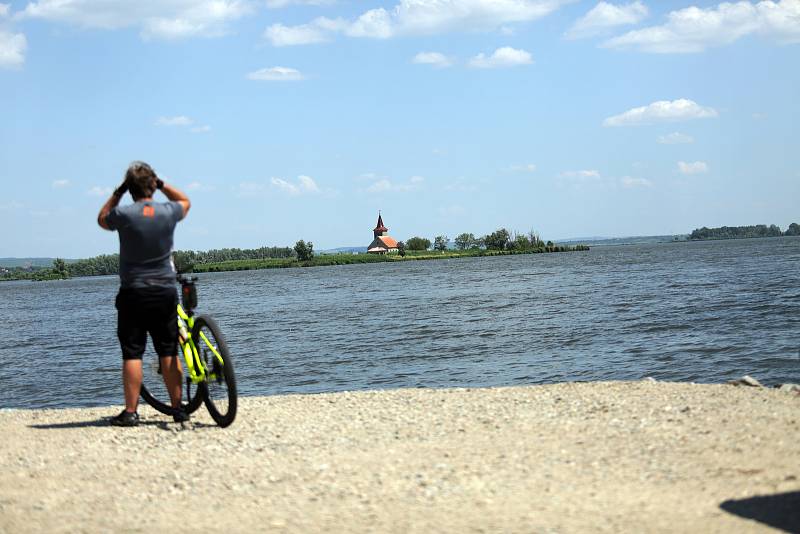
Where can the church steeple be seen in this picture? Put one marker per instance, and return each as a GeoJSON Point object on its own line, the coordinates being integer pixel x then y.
{"type": "Point", "coordinates": [380, 229]}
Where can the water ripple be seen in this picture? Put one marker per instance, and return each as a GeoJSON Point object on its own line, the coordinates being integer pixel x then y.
{"type": "Point", "coordinates": [689, 311]}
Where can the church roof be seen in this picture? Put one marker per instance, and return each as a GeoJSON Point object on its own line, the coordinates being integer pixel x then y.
{"type": "Point", "coordinates": [388, 241]}
{"type": "Point", "coordinates": [380, 227]}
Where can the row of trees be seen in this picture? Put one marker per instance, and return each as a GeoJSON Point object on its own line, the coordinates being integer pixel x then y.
{"type": "Point", "coordinates": [58, 271]}
{"type": "Point", "coordinates": [741, 232]}
{"type": "Point", "coordinates": [185, 260]}
{"type": "Point", "coordinates": [500, 239]}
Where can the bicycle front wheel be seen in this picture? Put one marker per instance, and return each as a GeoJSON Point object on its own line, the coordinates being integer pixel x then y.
{"type": "Point", "coordinates": [220, 386]}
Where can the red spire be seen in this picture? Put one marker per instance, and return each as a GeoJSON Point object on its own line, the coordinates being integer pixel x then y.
{"type": "Point", "coordinates": [380, 227]}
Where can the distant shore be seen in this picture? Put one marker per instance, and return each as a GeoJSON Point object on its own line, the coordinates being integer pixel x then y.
{"type": "Point", "coordinates": [325, 260]}
{"type": "Point", "coordinates": [571, 457]}
{"type": "Point", "coordinates": [319, 260]}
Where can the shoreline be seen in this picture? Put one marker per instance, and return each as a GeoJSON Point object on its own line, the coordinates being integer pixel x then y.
{"type": "Point", "coordinates": [323, 260]}
{"type": "Point", "coordinates": [597, 456]}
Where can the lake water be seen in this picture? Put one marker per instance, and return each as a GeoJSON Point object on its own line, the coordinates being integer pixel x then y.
{"type": "Point", "coordinates": [702, 311]}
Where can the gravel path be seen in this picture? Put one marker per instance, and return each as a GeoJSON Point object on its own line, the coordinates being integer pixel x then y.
{"type": "Point", "coordinates": [573, 457]}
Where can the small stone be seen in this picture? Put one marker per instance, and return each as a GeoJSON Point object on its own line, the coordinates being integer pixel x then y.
{"type": "Point", "coordinates": [746, 380]}
{"type": "Point", "coordinates": [790, 388]}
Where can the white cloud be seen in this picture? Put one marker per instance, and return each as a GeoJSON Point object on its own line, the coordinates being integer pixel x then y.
{"type": "Point", "coordinates": [12, 49]}
{"type": "Point", "coordinates": [201, 129]}
{"type": "Point", "coordinates": [4, 10]}
{"type": "Point", "coordinates": [304, 185]}
{"type": "Point", "coordinates": [200, 187]}
{"type": "Point", "coordinates": [60, 184]}
{"type": "Point", "coordinates": [384, 185]}
{"type": "Point", "coordinates": [317, 31]}
{"type": "Point", "coordinates": [530, 167]}
{"type": "Point", "coordinates": [675, 138]}
{"type": "Point", "coordinates": [460, 185]}
{"type": "Point", "coordinates": [164, 19]}
{"type": "Point", "coordinates": [605, 16]}
{"type": "Point", "coordinates": [276, 74]}
{"type": "Point", "coordinates": [696, 167]}
{"type": "Point", "coordinates": [694, 29]}
{"type": "Point", "coordinates": [180, 120]}
{"type": "Point", "coordinates": [582, 179]}
{"type": "Point", "coordinates": [98, 191]}
{"type": "Point", "coordinates": [435, 59]}
{"type": "Point", "coordinates": [662, 111]}
{"type": "Point", "coordinates": [429, 17]}
{"type": "Point", "coordinates": [275, 4]}
{"type": "Point", "coordinates": [380, 186]}
{"type": "Point", "coordinates": [630, 182]}
{"type": "Point", "coordinates": [250, 189]}
{"type": "Point", "coordinates": [502, 57]}
{"type": "Point", "coordinates": [11, 206]}
{"type": "Point", "coordinates": [582, 175]}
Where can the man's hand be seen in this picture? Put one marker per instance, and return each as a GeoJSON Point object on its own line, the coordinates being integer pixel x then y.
{"type": "Point", "coordinates": [121, 190]}
{"type": "Point", "coordinates": [176, 195]}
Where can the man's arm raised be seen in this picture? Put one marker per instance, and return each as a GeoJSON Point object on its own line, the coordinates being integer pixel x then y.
{"type": "Point", "coordinates": [110, 204]}
{"type": "Point", "coordinates": [175, 195]}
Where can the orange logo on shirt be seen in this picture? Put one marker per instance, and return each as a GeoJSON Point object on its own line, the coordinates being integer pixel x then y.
{"type": "Point", "coordinates": [149, 211]}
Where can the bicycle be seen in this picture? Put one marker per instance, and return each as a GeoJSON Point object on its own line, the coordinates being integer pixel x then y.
{"type": "Point", "coordinates": [210, 379]}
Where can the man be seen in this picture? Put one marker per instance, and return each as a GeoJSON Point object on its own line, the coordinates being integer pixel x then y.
{"type": "Point", "coordinates": [147, 299]}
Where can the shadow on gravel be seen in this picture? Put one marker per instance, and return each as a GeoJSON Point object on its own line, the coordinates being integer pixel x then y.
{"type": "Point", "coordinates": [781, 510]}
{"type": "Point", "coordinates": [106, 421]}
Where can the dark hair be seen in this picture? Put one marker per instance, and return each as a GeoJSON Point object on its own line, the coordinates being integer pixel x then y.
{"type": "Point", "coordinates": [141, 180]}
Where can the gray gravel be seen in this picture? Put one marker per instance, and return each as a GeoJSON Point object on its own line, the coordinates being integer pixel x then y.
{"type": "Point", "coordinates": [573, 457]}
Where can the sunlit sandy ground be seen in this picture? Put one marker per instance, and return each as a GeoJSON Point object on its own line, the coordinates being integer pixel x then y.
{"type": "Point", "coordinates": [574, 457]}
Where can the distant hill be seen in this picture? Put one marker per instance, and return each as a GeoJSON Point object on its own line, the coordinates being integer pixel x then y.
{"type": "Point", "coordinates": [344, 250]}
{"type": "Point", "coordinates": [631, 240]}
{"type": "Point", "coordinates": [29, 262]}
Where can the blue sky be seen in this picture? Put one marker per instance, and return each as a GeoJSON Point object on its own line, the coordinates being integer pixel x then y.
{"type": "Point", "coordinates": [290, 119]}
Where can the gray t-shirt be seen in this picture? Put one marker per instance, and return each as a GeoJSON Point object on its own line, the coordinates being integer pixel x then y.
{"type": "Point", "coordinates": [146, 231]}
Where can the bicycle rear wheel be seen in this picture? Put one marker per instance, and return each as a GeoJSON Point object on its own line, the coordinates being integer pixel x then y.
{"type": "Point", "coordinates": [220, 387]}
{"type": "Point", "coordinates": [155, 393]}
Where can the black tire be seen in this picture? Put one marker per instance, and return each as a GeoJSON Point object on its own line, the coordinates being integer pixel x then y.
{"type": "Point", "coordinates": [219, 392]}
{"type": "Point", "coordinates": [154, 392]}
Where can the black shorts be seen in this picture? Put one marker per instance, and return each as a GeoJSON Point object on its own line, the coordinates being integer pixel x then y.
{"type": "Point", "coordinates": [147, 310]}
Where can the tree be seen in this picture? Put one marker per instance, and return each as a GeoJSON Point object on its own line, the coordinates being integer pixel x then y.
{"type": "Point", "coordinates": [60, 268]}
{"type": "Point", "coordinates": [794, 229]}
{"type": "Point", "coordinates": [535, 240]}
{"type": "Point", "coordinates": [521, 242]}
{"type": "Point", "coordinates": [418, 243]}
{"type": "Point", "coordinates": [440, 242]}
{"type": "Point", "coordinates": [497, 240]}
{"type": "Point", "coordinates": [184, 261]}
{"type": "Point", "coordinates": [464, 241]}
{"type": "Point", "coordinates": [304, 251]}
{"type": "Point", "coordinates": [401, 248]}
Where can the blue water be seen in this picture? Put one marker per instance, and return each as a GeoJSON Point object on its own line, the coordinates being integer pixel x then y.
{"type": "Point", "coordinates": [702, 311]}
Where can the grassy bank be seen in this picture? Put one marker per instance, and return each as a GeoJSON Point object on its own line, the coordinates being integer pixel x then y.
{"type": "Point", "coordinates": [348, 259]}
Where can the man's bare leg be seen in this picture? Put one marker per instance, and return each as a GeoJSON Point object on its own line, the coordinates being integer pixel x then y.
{"type": "Point", "coordinates": [173, 378]}
{"type": "Point", "coordinates": [132, 382]}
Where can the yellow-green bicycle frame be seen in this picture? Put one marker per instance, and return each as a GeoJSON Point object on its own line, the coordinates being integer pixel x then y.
{"type": "Point", "coordinates": [195, 367]}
